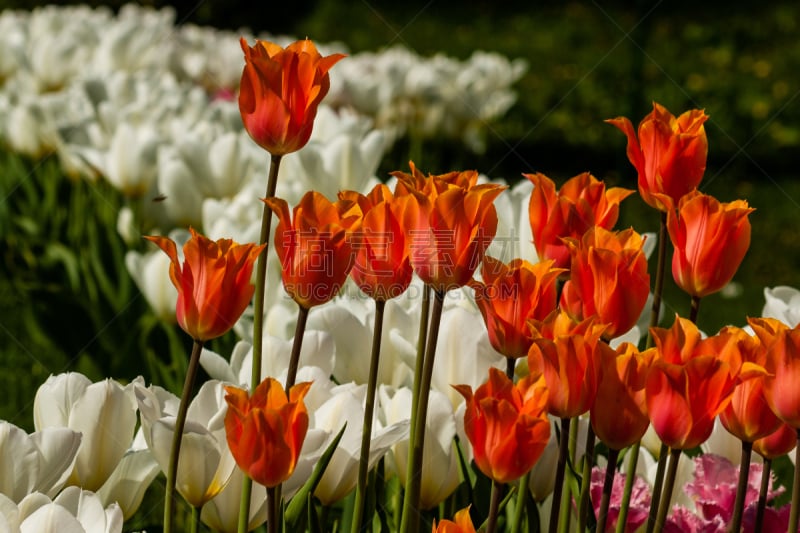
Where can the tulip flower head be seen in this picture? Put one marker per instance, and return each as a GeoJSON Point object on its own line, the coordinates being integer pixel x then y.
{"type": "Point", "coordinates": [266, 431]}
{"type": "Point", "coordinates": [314, 246]}
{"type": "Point", "coordinates": [280, 91]}
{"type": "Point", "coordinates": [688, 385]}
{"type": "Point", "coordinates": [511, 295]}
{"type": "Point", "coordinates": [213, 283]}
{"type": "Point", "coordinates": [710, 240]}
{"type": "Point", "coordinates": [582, 202]}
{"type": "Point", "coordinates": [608, 278]}
{"type": "Point", "coordinates": [778, 443]}
{"type": "Point", "coordinates": [461, 524]}
{"type": "Point", "coordinates": [669, 153]}
{"type": "Point", "coordinates": [506, 424]}
{"type": "Point", "coordinates": [782, 385]}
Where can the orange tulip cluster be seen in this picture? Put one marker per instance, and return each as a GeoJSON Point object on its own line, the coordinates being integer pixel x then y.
{"type": "Point", "coordinates": [589, 288]}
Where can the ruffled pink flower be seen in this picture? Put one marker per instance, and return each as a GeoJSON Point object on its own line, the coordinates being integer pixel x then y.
{"type": "Point", "coordinates": [639, 502]}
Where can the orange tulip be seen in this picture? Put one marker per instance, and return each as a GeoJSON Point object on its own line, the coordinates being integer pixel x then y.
{"type": "Point", "coordinates": [213, 285]}
{"type": "Point", "coordinates": [687, 386]}
{"type": "Point", "coordinates": [567, 354]}
{"type": "Point", "coordinates": [582, 202]}
{"type": "Point", "coordinates": [509, 296]}
{"type": "Point", "coordinates": [608, 278]}
{"type": "Point", "coordinates": [778, 443]}
{"type": "Point", "coordinates": [432, 184]}
{"type": "Point", "coordinates": [382, 268]}
{"type": "Point", "coordinates": [462, 524]}
{"type": "Point", "coordinates": [669, 153]}
{"type": "Point", "coordinates": [748, 416]}
{"type": "Point", "coordinates": [280, 92]}
{"type": "Point", "coordinates": [449, 229]}
{"type": "Point", "coordinates": [619, 414]}
{"type": "Point", "coordinates": [265, 431]}
{"type": "Point", "coordinates": [315, 246]}
{"type": "Point", "coordinates": [710, 239]}
{"type": "Point", "coordinates": [506, 425]}
{"type": "Point", "coordinates": [782, 385]}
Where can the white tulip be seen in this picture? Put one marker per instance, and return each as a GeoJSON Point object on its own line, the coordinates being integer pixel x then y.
{"type": "Point", "coordinates": [205, 464]}
{"type": "Point", "coordinates": [782, 303]}
{"type": "Point", "coordinates": [39, 462]}
{"type": "Point", "coordinates": [74, 510]}
{"type": "Point", "coordinates": [440, 466]}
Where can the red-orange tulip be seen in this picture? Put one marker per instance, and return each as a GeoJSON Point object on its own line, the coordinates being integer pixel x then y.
{"type": "Point", "coordinates": [608, 278]}
{"type": "Point", "coordinates": [432, 184]}
{"type": "Point", "coordinates": [778, 443]}
{"type": "Point", "coordinates": [567, 354]}
{"type": "Point", "coordinates": [462, 524]}
{"type": "Point", "coordinates": [382, 268]}
{"type": "Point", "coordinates": [280, 92]}
{"type": "Point", "coordinates": [213, 284]}
{"type": "Point", "coordinates": [511, 295]}
{"type": "Point", "coordinates": [449, 231]}
{"type": "Point", "coordinates": [748, 416]}
{"type": "Point", "coordinates": [710, 239]}
{"type": "Point", "coordinates": [506, 425]}
{"type": "Point", "coordinates": [582, 202]}
{"type": "Point", "coordinates": [669, 153]}
{"type": "Point", "coordinates": [314, 246]}
{"type": "Point", "coordinates": [619, 414]}
{"type": "Point", "coordinates": [782, 385]}
{"type": "Point", "coordinates": [687, 386]}
{"type": "Point", "coordinates": [265, 431]}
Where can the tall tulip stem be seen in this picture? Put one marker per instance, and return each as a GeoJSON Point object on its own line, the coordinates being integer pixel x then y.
{"type": "Point", "coordinates": [608, 485]}
{"type": "Point", "coordinates": [622, 519]}
{"type": "Point", "coordinates": [586, 479]}
{"type": "Point", "coordinates": [561, 466]}
{"type": "Point", "coordinates": [666, 495]}
{"type": "Point", "coordinates": [494, 506]}
{"type": "Point", "coordinates": [658, 287]}
{"type": "Point", "coordinates": [522, 498]}
{"type": "Point", "coordinates": [741, 488]}
{"type": "Point", "coordinates": [762, 494]}
{"type": "Point", "coordinates": [272, 509]}
{"type": "Point", "coordinates": [297, 346]}
{"type": "Point", "coordinates": [795, 512]}
{"type": "Point", "coordinates": [410, 518]}
{"type": "Point", "coordinates": [258, 318]}
{"type": "Point", "coordinates": [180, 422]}
{"type": "Point", "coordinates": [369, 407]}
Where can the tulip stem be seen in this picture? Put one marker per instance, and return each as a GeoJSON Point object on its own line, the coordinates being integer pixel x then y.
{"type": "Point", "coordinates": [741, 488]}
{"type": "Point", "coordinates": [272, 510]}
{"type": "Point", "coordinates": [658, 287]}
{"type": "Point", "coordinates": [586, 480]}
{"type": "Point", "coordinates": [795, 512]}
{"type": "Point", "coordinates": [565, 508]}
{"type": "Point", "coordinates": [297, 345]}
{"type": "Point", "coordinates": [369, 407]}
{"type": "Point", "coordinates": [762, 494]}
{"type": "Point", "coordinates": [608, 485]}
{"type": "Point", "coordinates": [258, 319]}
{"type": "Point", "coordinates": [561, 466]}
{"type": "Point", "coordinates": [494, 506]}
{"type": "Point", "coordinates": [410, 518]}
{"type": "Point", "coordinates": [695, 309]}
{"type": "Point", "coordinates": [195, 520]}
{"type": "Point", "coordinates": [657, 486]}
{"type": "Point", "coordinates": [522, 497]}
{"type": "Point", "coordinates": [669, 483]}
{"type": "Point", "coordinates": [177, 436]}
{"type": "Point", "coordinates": [511, 363]}
{"type": "Point", "coordinates": [622, 518]}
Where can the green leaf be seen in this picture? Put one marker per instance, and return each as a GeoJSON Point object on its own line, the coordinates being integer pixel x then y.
{"type": "Point", "coordinates": [295, 508]}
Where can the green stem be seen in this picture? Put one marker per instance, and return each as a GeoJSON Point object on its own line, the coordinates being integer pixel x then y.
{"type": "Point", "coordinates": [411, 511]}
{"type": "Point", "coordinates": [369, 407]}
{"type": "Point", "coordinates": [762, 494]}
{"type": "Point", "coordinates": [795, 512]}
{"type": "Point", "coordinates": [608, 485]}
{"type": "Point", "coordinates": [586, 480]}
{"type": "Point", "coordinates": [272, 509]}
{"type": "Point", "coordinates": [258, 319]}
{"type": "Point", "coordinates": [195, 520]}
{"type": "Point", "coordinates": [297, 345]}
{"type": "Point", "coordinates": [511, 363]}
{"type": "Point", "coordinates": [695, 309]}
{"type": "Point", "coordinates": [561, 466]}
{"type": "Point", "coordinates": [669, 483]}
{"type": "Point", "coordinates": [622, 519]}
{"type": "Point", "coordinates": [494, 506]}
{"type": "Point", "coordinates": [565, 515]}
{"type": "Point", "coordinates": [522, 497]}
{"type": "Point", "coordinates": [741, 488]}
{"type": "Point", "coordinates": [180, 422]}
{"type": "Point", "coordinates": [657, 486]}
{"type": "Point", "coordinates": [658, 288]}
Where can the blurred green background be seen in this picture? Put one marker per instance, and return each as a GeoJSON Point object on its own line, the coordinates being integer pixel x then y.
{"type": "Point", "coordinates": [587, 61]}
